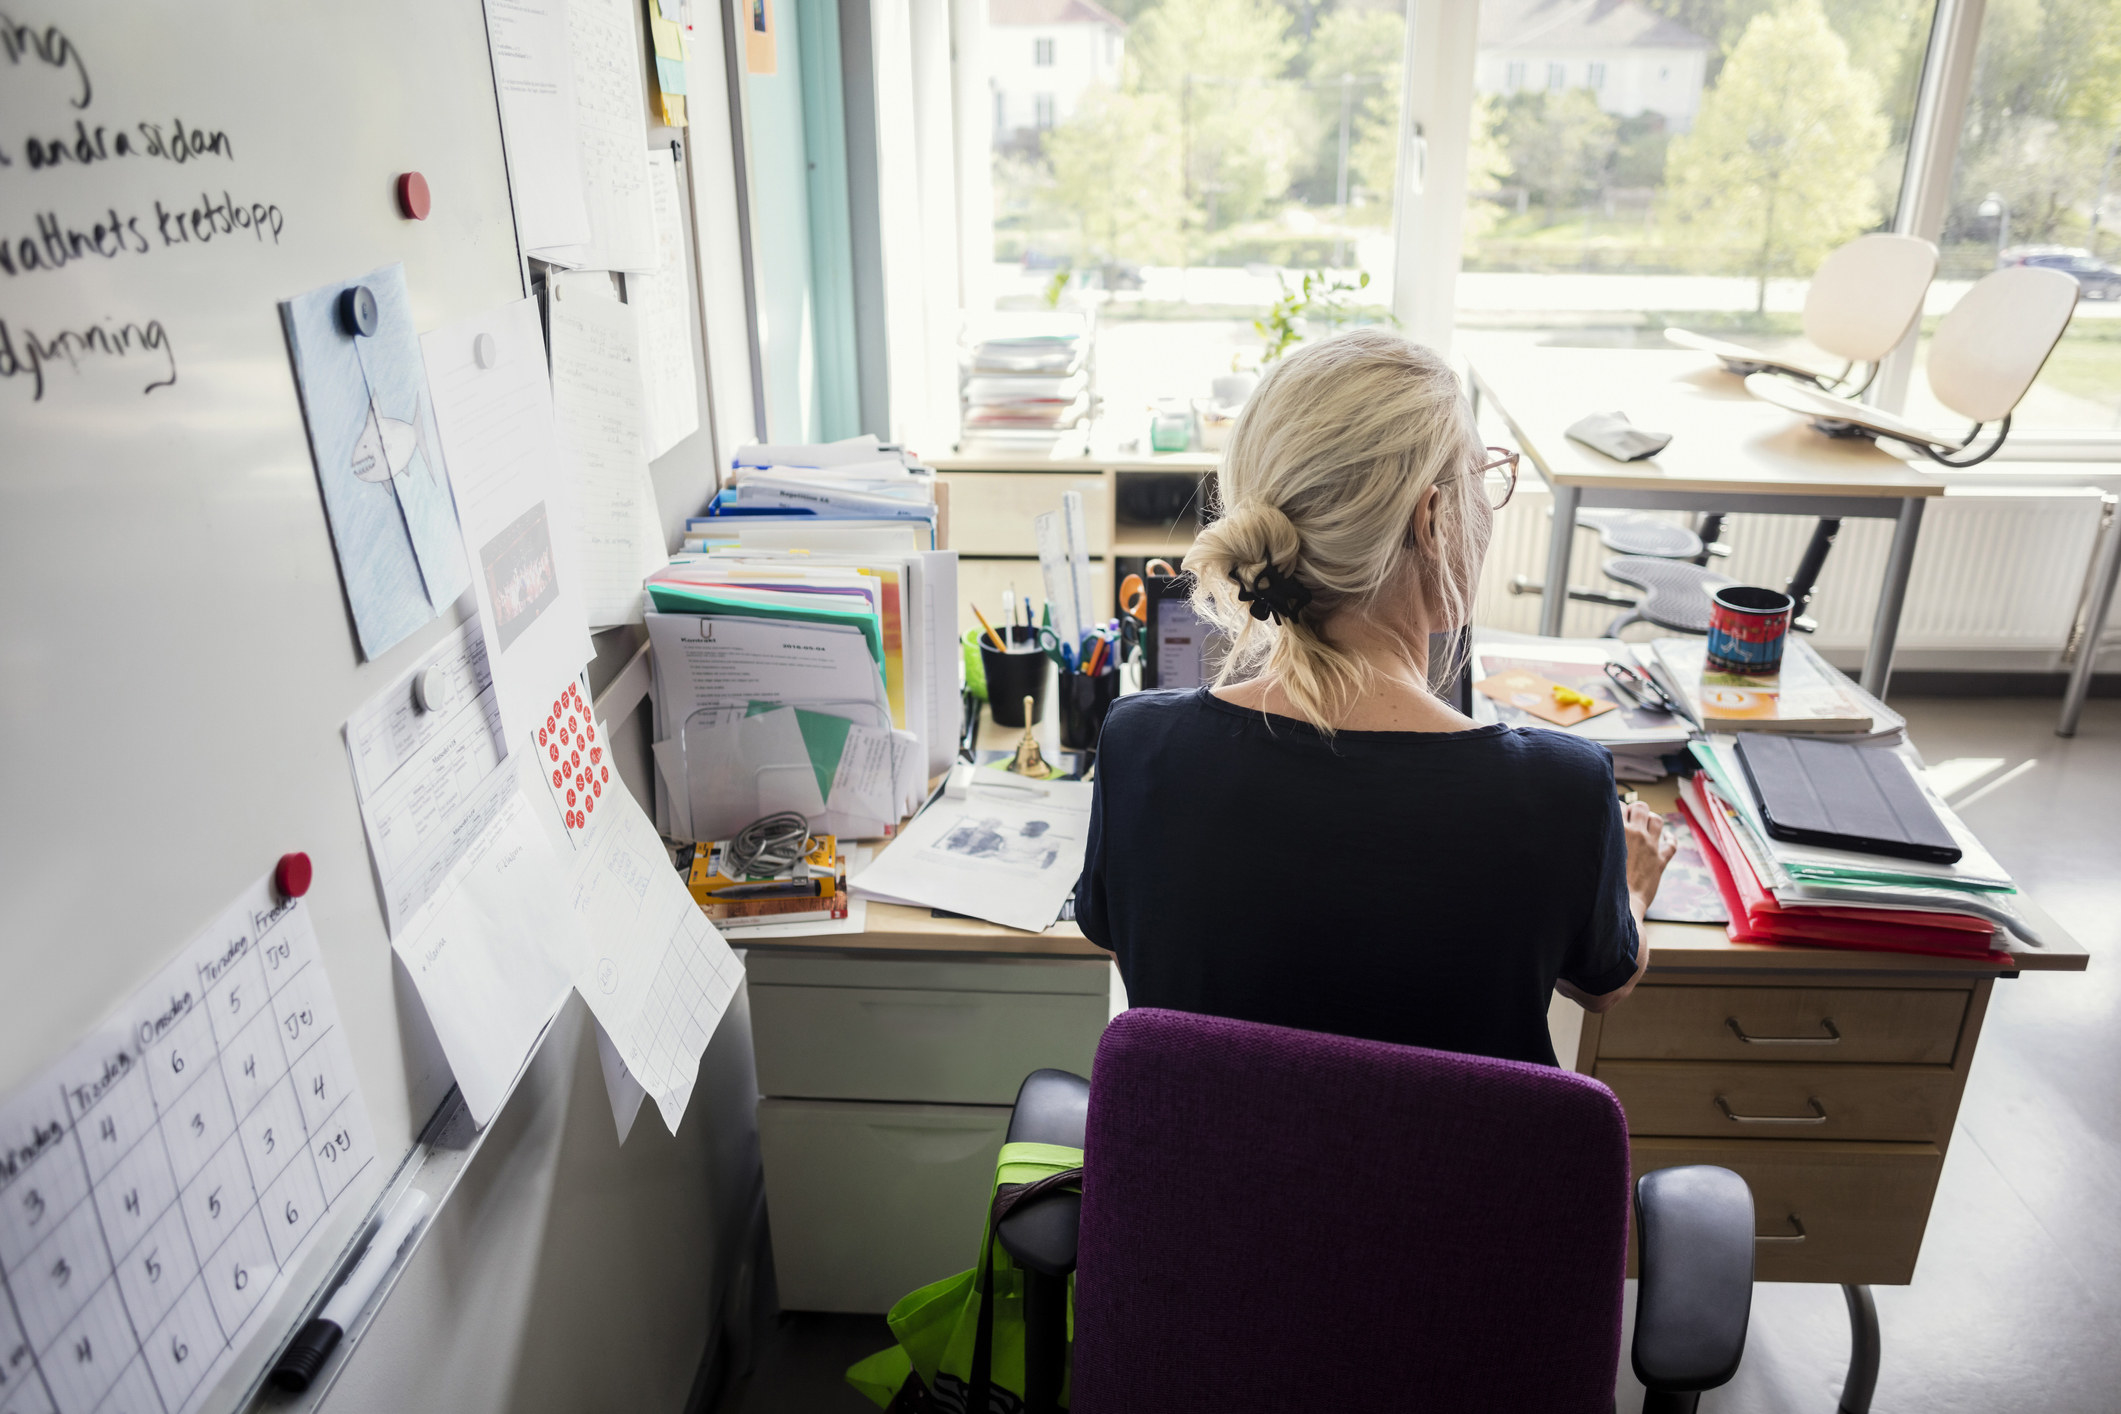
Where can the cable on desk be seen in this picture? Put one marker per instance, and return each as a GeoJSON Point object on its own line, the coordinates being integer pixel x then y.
{"type": "Point", "coordinates": [773, 844]}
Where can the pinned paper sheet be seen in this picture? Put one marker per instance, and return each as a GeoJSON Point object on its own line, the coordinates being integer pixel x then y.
{"type": "Point", "coordinates": [493, 404]}
{"type": "Point", "coordinates": [534, 77]}
{"type": "Point", "coordinates": [428, 778]}
{"type": "Point", "coordinates": [163, 1181]}
{"type": "Point", "coordinates": [662, 302]}
{"type": "Point", "coordinates": [610, 108]}
{"type": "Point", "coordinates": [372, 435]}
{"type": "Point", "coordinates": [598, 404]}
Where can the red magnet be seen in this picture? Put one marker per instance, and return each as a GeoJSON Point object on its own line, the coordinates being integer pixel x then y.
{"type": "Point", "coordinates": [413, 201]}
{"type": "Point", "coordinates": [291, 875]}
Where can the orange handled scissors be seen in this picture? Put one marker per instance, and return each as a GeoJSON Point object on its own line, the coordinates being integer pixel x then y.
{"type": "Point", "coordinates": [1134, 595]}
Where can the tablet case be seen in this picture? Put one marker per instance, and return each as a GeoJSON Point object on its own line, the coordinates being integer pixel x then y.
{"type": "Point", "coordinates": [1842, 796]}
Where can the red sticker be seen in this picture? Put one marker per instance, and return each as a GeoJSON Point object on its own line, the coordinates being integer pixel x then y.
{"type": "Point", "coordinates": [591, 728]}
{"type": "Point", "coordinates": [596, 753]}
{"type": "Point", "coordinates": [554, 751]}
{"type": "Point", "coordinates": [596, 788]}
{"type": "Point", "coordinates": [606, 774]}
{"type": "Point", "coordinates": [556, 780]}
{"type": "Point", "coordinates": [570, 795]}
{"type": "Point", "coordinates": [541, 736]}
{"type": "Point", "coordinates": [574, 758]}
{"type": "Point", "coordinates": [589, 804]}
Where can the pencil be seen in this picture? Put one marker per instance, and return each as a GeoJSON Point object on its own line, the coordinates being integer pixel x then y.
{"type": "Point", "coordinates": [999, 646]}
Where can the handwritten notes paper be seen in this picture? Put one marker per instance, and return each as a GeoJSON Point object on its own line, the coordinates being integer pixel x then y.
{"type": "Point", "coordinates": [662, 301]}
{"type": "Point", "coordinates": [604, 54]}
{"type": "Point", "coordinates": [159, 1185]}
{"type": "Point", "coordinates": [598, 403]}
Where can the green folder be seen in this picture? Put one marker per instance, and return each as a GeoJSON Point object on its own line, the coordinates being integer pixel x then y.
{"type": "Point", "coordinates": [709, 602]}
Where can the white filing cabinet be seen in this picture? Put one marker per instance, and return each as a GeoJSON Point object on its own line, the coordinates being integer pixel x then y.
{"type": "Point", "coordinates": [886, 1085]}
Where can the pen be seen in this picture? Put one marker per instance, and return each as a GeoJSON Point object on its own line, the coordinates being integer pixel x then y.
{"type": "Point", "coordinates": [312, 1346]}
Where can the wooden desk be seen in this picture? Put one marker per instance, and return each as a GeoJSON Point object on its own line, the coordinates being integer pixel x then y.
{"type": "Point", "coordinates": [1729, 452]}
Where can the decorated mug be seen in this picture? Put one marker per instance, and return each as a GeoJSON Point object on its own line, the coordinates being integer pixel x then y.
{"type": "Point", "coordinates": [1748, 626]}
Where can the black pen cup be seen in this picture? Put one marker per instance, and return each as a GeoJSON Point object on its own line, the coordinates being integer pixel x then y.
{"type": "Point", "coordinates": [1012, 676]}
{"type": "Point", "coordinates": [1084, 701]}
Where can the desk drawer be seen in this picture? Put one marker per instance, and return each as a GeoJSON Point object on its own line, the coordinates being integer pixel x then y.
{"type": "Point", "coordinates": [1836, 1025]}
{"type": "Point", "coordinates": [990, 511]}
{"type": "Point", "coordinates": [1861, 1208]}
{"type": "Point", "coordinates": [1904, 1102]}
{"type": "Point", "coordinates": [869, 1202]}
{"type": "Point", "coordinates": [939, 1047]}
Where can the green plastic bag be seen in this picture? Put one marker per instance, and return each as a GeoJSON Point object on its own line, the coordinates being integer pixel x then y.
{"type": "Point", "coordinates": [940, 1327]}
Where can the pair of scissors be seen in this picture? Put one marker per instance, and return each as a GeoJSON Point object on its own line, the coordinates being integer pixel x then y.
{"type": "Point", "coordinates": [1134, 595]}
{"type": "Point", "coordinates": [1049, 643]}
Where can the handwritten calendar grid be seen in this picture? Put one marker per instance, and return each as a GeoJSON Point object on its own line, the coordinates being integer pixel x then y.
{"type": "Point", "coordinates": [690, 983]}
{"type": "Point", "coordinates": [155, 1184]}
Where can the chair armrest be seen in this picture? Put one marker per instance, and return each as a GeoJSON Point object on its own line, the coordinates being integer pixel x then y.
{"type": "Point", "coordinates": [1695, 1227]}
{"type": "Point", "coordinates": [1052, 1107]}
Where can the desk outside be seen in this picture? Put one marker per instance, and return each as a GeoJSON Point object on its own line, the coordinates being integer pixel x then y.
{"type": "Point", "coordinates": [1729, 452]}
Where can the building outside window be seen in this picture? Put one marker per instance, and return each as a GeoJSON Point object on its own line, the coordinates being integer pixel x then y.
{"type": "Point", "coordinates": [1042, 54]}
{"type": "Point", "coordinates": [1594, 75]}
{"type": "Point", "coordinates": [1557, 77]}
{"type": "Point", "coordinates": [1042, 111]}
{"type": "Point", "coordinates": [1513, 79]}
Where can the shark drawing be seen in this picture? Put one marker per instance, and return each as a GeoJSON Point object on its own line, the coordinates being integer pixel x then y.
{"type": "Point", "coordinates": [386, 445]}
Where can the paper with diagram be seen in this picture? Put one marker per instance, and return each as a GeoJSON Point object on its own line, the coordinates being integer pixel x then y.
{"type": "Point", "coordinates": [160, 1183]}
{"type": "Point", "coordinates": [658, 974]}
{"type": "Point", "coordinates": [372, 436]}
{"type": "Point", "coordinates": [493, 407]}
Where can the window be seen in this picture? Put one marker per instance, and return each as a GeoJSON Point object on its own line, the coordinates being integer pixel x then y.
{"type": "Point", "coordinates": [1042, 53]}
{"type": "Point", "coordinates": [1557, 77]}
{"type": "Point", "coordinates": [1176, 195]}
{"type": "Point", "coordinates": [1593, 226]}
{"type": "Point", "coordinates": [1001, 115]}
{"type": "Point", "coordinates": [1513, 76]}
{"type": "Point", "coordinates": [2036, 183]}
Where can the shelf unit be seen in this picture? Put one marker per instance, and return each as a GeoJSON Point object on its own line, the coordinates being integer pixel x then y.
{"type": "Point", "coordinates": [994, 496]}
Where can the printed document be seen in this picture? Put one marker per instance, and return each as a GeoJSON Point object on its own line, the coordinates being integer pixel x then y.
{"type": "Point", "coordinates": [532, 71]}
{"type": "Point", "coordinates": [1009, 852]}
{"type": "Point", "coordinates": [429, 779]}
{"type": "Point", "coordinates": [493, 405]}
{"type": "Point", "coordinates": [611, 131]}
{"type": "Point", "coordinates": [663, 302]}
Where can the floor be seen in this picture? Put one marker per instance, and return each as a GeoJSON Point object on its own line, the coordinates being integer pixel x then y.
{"type": "Point", "coordinates": [2018, 1292]}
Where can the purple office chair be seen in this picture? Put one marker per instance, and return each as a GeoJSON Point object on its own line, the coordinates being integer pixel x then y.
{"type": "Point", "coordinates": [1273, 1219]}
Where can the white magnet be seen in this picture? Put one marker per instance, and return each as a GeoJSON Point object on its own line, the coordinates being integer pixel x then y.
{"type": "Point", "coordinates": [430, 689]}
{"type": "Point", "coordinates": [485, 351]}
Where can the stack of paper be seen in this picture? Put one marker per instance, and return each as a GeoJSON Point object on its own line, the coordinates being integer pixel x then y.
{"type": "Point", "coordinates": [1809, 696]}
{"type": "Point", "coordinates": [1008, 851]}
{"type": "Point", "coordinates": [1030, 377]}
{"type": "Point", "coordinates": [859, 479]}
{"type": "Point", "coordinates": [823, 682]}
{"type": "Point", "coordinates": [1781, 891]}
{"type": "Point", "coordinates": [1639, 737]}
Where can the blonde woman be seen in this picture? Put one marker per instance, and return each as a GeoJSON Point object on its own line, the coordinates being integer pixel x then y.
{"type": "Point", "coordinates": [1317, 840]}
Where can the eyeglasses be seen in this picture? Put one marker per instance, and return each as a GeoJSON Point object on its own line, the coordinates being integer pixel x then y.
{"type": "Point", "coordinates": [1506, 462]}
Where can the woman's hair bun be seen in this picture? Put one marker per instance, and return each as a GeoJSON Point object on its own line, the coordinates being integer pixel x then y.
{"type": "Point", "coordinates": [1249, 537]}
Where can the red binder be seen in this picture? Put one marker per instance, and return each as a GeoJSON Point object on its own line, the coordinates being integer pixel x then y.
{"type": "Point", "coordinates": [1757, 918]}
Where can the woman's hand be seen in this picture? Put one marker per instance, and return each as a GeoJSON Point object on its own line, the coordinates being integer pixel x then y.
{"type": "Point", "coordinates": [1649, 850]}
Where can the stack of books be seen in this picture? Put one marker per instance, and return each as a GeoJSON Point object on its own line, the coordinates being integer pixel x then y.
{"type": "Point", "coordinates": [1810, 696]}
{"type": "Point", "coordinates": [860, 479]}
{"type": "Point", "coordinates": [813, 891]}
{"type": "Point", "coordinates": [1030, 381]}
{"type": "Point", "coordinates": [1777, 891]}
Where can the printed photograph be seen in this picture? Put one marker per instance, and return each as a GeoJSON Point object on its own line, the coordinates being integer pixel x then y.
{"type": "Point", "coordinates": [520, 579]}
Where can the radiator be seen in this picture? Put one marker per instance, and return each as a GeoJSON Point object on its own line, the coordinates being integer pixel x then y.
{"type": "Point", "coordinates": [1999, 575]}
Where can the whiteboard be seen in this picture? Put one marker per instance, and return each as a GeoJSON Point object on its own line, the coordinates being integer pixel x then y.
{"type": "Point", "coordinates": [178, 657]}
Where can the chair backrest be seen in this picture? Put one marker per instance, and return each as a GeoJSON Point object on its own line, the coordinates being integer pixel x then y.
{"type": "Point", "coordinates": [1993, 344]}
{"type": "Point", "coordinates": [1867, 295]}
{"type": "Point", "coordinates": [1276, 1219]}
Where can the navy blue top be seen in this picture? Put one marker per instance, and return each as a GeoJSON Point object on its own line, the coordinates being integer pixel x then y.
{"type": "Point", "coordinates": [1425, 888]}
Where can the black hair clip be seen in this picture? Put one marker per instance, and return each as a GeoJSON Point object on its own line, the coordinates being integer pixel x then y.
{"type": "Point", "coordinates": [1272, 592]}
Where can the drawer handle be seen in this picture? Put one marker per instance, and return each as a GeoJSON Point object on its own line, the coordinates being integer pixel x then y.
{"type": "Point", "coordinates": [1826, 1024]}
{"type": "Point", "coordinates": [1817, 1116]}
{"type": "Point", "coordinates": [1796, 1226]}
